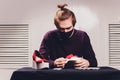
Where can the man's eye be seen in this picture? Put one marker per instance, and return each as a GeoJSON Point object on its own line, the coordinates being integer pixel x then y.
{"type": "Point", "coordinates": [67, 28]}
{"type": "Point", "coordinates": [62, 29]}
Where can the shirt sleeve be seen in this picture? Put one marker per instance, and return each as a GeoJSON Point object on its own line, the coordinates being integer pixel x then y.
{"type": "Point", "coordinates": [44, 50]}
{"type": "Point", "coordinates": [88, 52]}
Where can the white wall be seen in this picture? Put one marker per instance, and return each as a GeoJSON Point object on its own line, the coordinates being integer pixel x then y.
{"type": "Point", "coordinates": [93, 16]}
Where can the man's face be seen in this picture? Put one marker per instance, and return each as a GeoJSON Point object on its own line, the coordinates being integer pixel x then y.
{"type": "Point", "coordinates": [65, 25]}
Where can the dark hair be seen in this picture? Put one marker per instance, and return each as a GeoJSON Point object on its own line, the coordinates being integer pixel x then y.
{"type": "Point", "coordinates": [64, 14]}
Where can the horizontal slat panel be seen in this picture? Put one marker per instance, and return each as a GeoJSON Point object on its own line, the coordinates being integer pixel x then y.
{"type": "Point", "coordinates": [14, 45]}
{"type": "Point", "coordinates": [114, 45]}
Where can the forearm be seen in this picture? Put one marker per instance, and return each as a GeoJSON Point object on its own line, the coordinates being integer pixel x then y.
{"type": "Point", "coordinates": [93, 62]}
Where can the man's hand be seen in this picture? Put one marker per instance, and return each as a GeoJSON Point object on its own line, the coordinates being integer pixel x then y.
{"type": "Point", "coordinates": [81, 62]}
{"type": "Point", "coordinates": [60, 62]}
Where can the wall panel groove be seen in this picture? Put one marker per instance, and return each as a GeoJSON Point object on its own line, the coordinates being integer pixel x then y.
{"type": "Point", "coordinates": [14, 46]}
{"type": "Point", "coordinates": [114, 44]}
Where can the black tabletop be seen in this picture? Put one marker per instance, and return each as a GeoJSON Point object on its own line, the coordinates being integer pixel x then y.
{"type": "Point", "coordinates": [103, 73]}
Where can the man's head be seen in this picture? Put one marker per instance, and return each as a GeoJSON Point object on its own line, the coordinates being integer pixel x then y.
{"type": "Point", "coordinates": [65, 19]}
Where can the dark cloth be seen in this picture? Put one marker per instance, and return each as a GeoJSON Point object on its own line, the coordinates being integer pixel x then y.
{"type": "Point", "coordinates": [54, 46]}
{"type": "Point", "coordinates": [104, 73]}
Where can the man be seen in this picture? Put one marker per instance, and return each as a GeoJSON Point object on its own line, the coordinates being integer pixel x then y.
{"type": "Point", "coordinates": [65, 40]}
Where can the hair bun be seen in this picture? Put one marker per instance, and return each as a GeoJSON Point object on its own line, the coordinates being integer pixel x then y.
{"type": "Point", "coordinates": [61, 6]}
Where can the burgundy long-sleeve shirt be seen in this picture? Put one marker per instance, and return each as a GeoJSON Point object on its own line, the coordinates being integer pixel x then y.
{"type": "Point", "coordinates": [53, 46]}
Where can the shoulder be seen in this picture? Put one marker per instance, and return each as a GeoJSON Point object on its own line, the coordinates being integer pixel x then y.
{"type": "Point", "coordinates": [80, 32]}
{"type": "Point", "coordinates": [50, 33]}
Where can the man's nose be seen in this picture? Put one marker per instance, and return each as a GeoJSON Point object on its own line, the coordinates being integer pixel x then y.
{"type": "Point", "coordinates": [65, 30]}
